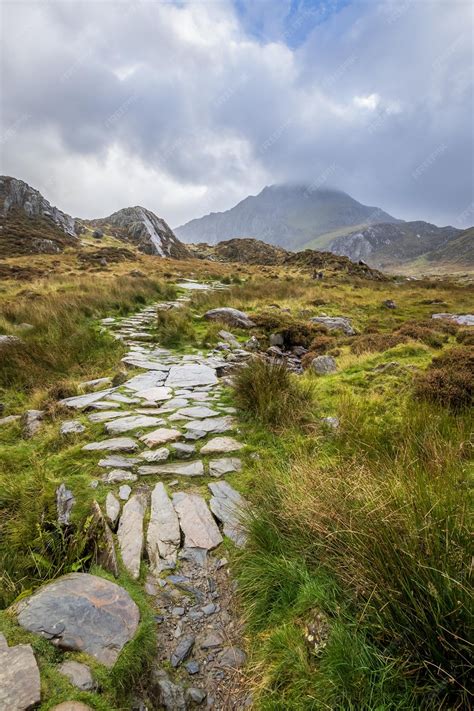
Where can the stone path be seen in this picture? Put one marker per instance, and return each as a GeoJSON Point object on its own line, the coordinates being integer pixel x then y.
{"type": "Point", "coordinates": [167, 442]}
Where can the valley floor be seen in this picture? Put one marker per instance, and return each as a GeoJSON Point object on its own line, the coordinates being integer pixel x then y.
{"type": "Point", "coordinates": [336, 525]}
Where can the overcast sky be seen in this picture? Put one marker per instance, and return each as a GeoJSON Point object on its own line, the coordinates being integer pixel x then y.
{"type": "Point", "coordinates": [188, 107]}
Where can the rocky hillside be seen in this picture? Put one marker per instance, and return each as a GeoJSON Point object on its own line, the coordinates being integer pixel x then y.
{"type": "Point", "coordinates": [29, 223]}
{"type": "Point", "coordinates": [284, 215]}
{"type": "Point", "coordinates": [143, 228]}
{"type": "Point", "coordinates": [387, 245]}
{"type": "Point", "coordinates": [244, 250]}
{"type": "Point", "coordinates": [252, 251]}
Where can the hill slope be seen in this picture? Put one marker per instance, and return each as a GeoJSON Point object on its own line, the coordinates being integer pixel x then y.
{"type": "Point", "coordinates": [140, 226]}
{"type": "Point", "coordinates": [284, 215]}
{"type": "Point", "coordinates": [387, 245]}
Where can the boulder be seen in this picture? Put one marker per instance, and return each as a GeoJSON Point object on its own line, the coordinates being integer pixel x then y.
{"type": "Point", "coordinates": [83, 613]}
{"type": "Point", "coordinates": [460, 319]}
{"type": "Point", "coordinates": [333, 323]}
{"type": "Point", "coordinates": [32, 422]}
{"type": "Point", "coordinates": [232, 317]}
{"type": "Point", "coordinates": [20, 687]}
{"type": "Point", "coordinates": [323, 365]}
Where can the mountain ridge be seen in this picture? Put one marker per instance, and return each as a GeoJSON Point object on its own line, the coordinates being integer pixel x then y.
{"type": "Point", "coordinates": [286, 215]}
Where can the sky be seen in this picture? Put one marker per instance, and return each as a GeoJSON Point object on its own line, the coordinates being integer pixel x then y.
{"type": "Point", "coordinates": [188, 107]}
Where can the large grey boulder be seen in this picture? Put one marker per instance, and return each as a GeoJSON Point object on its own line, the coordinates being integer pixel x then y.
{"type": "Point", "coordinates": [130, 533]}
{"type": "Point", "coordinates": [84, 613]}
{"type": "Point", "coordinates": [163, 536]}
{"type": "Point", "coordinates": [335, 323]}
{"type": "Point", "coordinates": [20, 687]}
{"type": "Point", "coordinates": [232, 317]}
{"type": "Point", "coordinates": [199, 528]}
{"type": "Point", "coordinates": [323, 365]}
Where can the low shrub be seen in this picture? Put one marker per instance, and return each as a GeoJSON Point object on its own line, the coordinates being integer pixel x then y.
{"type": "Point", "coordinates": [449, 380]}
{"type": "Point", "coordinates": [321, 344]}
{"type": "Point", "coordinates": [270, 394]}
{"type": "Point", "coordinates": [465, 337]}
{"type": "Point", "coordinates": [431, 333]}
{"type": "Point", "coordinates": [295, 332]}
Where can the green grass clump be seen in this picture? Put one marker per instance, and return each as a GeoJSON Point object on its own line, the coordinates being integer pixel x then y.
{"type": "Point", "coordinates": [270, 394]}
{"type": "Point", "coordinates": [175, 327]}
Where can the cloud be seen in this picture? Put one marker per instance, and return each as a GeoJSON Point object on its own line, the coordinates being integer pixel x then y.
{"type": "Point", "coordinates": [188, 107]}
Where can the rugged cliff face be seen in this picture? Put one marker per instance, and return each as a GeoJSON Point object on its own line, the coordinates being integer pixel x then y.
{"type": "Point", "coordinates": [29, 224]}
{"type": "Point", "coordinates": [142, 227]}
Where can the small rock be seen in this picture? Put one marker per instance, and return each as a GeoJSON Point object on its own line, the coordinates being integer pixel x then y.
{"type": "Point", "coordinates": [192, 667]}
{"type": "Point", "coordinates": [72, 427]}
{"type": "Point", "coordinates": [183, 451]}
{"type": "Point", "coordinates": [335, 323]}
{"type": "Point", "coordinates": [32, 422]}
{"type": "Point", "coordinates": [389, 304]}
{"type": "Point", "coordinates": [124, 492]}
{"type": "Point", "coordinates": [252, 344]}
{"type": "Point", "coordinates": [276, 339]}
{"type": "Point", "coordinates": [178, 611]}
{"type": "Point", "coordinates": [182, 651]}
{"type": "Point", "coordinates": [195, 695]}
{"type": "Point", "coordinates": [160, 436]}
{"type": "Point", "coordinates": [64, 503]}
{"type": "Point", "coordinates": [226, 465]}
{"type": "Point", "coordinates": [212, 641]}
{"type": "Point", "coordinates": [171, 696]}
{"type": "Point", "coordinates": [209, 609]}
{"type": "Point", "coordinates": [323, 365]}
{"type": "Point", "coordinates": [78, 674]}
{"type": "Point", "coordinates": [332, 422]}
{"type": "Point", "coordinates": [233, 657]}
{"type": "Point", "coordinates": [72, 706]}
{"type": "Point", "coordinates": [112, 508]}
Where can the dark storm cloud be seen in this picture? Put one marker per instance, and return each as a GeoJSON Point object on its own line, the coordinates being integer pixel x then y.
{"type": "Point", "coordinates": [183, 108]}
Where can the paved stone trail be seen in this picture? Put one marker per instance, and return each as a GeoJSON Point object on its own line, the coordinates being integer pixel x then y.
{"type": "Point", "coordinates": [168, 441]}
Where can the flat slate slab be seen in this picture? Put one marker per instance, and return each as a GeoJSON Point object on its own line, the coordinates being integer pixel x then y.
{"type": "Point", "coordinates": [155, 455]}
{"type": "Point", "coordinates": [72, 427]}
{"type": "Point", "coordinates": [84, 613]}
{"type": "Point", "coordinates": [112, 508]}
{"type": "Point", "coordinates": [228, 506]}
{"type": "Point", "coordinates": [134, 422]}
{"type": "Point", "coordinates": [145, 381]}
{"type": "Point", "coordinates": [160, 436]}
{"type": "Point", "coordinates": [78, 674]}
{"type": "Point", "coordinates": [198, 412]}
{"type": "Point", "coordinates": [117, 475]}
{"type": "Point", "coordinates": [163, 535]}
{"type": "Point", "coordinates": [116, 444]}
{"type": "Point", "coordinates": [196, 521]}
{"type": "Point", "coordinates": [20, 687]}
{"type": "Point", "coordinates": [105, 415]}
{"type": "Point", "coordinates": [221, 445]}
{"type": "Point", "coordinates": [195, 468]}
{"type": "Point", "coordinates": [115, 461]}
{"type": "Point", "coordinates": [212, 424]}
{"type": "Point", "coordinates": [79, 402]}
{"type": "Point", "coordinates": [191, 375]}
{"type": "Point", "coordinates": [156, 394]}
{"type": "Point", "coordinates": [130, 534]}
{"type": "Point", "coordinates": [225, 465]}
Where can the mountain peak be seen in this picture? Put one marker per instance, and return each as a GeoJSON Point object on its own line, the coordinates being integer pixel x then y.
{"type": "Point", "coordinates": [289, 215]}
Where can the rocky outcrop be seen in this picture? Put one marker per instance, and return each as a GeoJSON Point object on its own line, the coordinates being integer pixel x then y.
{"type": "Point", "coordinates": [142, 227]}
{"type": "Point", "coordinates": [232, 317]}
{"type": "Point", "coordinates": [15, 193]}
{"type": "Point", "coordinates": [19, 677]}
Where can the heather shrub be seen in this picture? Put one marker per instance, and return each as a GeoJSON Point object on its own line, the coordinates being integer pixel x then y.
{"type": "Point", "coordinates": [449, 380]}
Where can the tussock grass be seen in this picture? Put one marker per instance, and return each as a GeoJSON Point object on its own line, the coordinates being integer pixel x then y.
{"type": "Point", "coordinates": [378, 534]}
{"type": "Point", "coordinates": [65, 338]}
{"type": "Point", "coordinates": [175, 327]}
{"type": "Point", "coordinates": [270, 394]}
